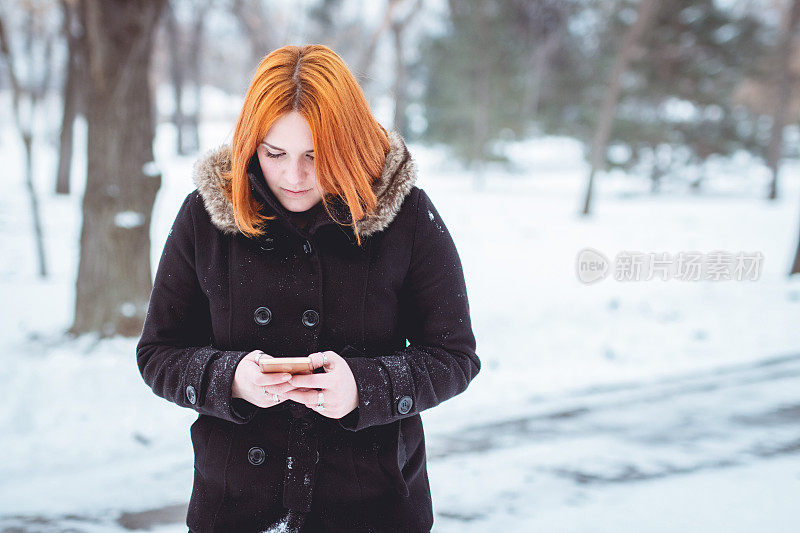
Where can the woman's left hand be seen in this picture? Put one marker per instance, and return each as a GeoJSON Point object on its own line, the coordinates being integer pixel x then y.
{"type": "Point", "coordinates": [337, 385]}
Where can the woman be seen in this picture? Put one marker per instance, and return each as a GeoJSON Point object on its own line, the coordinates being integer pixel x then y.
{"type": "Point", "coordinates": [307, 236]}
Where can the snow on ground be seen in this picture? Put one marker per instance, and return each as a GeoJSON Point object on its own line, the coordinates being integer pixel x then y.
{"type": "Point", "coordinates": [84, 439]}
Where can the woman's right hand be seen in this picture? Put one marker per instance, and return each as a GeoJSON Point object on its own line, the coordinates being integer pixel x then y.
{"type": "Point", "coordinates": [258, 388]}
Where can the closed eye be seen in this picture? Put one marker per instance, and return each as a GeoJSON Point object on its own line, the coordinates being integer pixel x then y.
{"type": "Point", "coordinates": [270, 154]}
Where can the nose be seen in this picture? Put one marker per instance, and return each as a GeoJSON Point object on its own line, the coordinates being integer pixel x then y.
{"type": "Point", "coordinates": [296, 176]}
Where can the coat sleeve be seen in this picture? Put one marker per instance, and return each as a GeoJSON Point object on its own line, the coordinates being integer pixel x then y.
{"type": "Point", "coordinates": [174, 353]}
{"type": "Point", "coordinates": [440, 360]}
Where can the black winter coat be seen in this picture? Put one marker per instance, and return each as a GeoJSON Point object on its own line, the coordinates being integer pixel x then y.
{"type": "Point", "coordinates": [218, 295]}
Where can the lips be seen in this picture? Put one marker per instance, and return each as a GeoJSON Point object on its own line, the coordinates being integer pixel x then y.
{"type": "Point", "coordinates": [296, 193]}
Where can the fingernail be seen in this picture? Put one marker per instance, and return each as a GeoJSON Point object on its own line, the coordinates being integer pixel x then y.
{"type": "Point", "coordinates": [287, 377]}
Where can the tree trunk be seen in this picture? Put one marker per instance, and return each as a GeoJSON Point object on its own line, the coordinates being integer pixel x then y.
{"type": "Point", "coordinates": [25, 128]}
{"type": "Point", "coordinates": [644, 16]}
{"type": "Point", "coordinates": [176, 70]}
{"type": "Point", "coordinates": [480, 125]}
{"type": "Point", "coordinates": [367, 58]}
{"type": "Point", "coordinates": [400, 123]}
{"type": "Point", "coordinates": [37, 225]}
{"type": "Point", "coordinates": [481, 116]}
{"type": "Point", "coordinates": [783, 90]}
{"type": "Point", "coordinates": [401, 70]}
{"type": "Point", "coordinates": [781, 111]}
{"type": "Point", "coordinates": [539, 64]}
{"type": "Point", "coordinates": [76, 58]}
{"type": "Point", "coordinates": [114, 276]}
{"type": "Point", "coordinates": [260, 29]}
{"type": "Point", "coordinates": [796, 265]}
{"type": "Point", "coordinates": [38, 87]}
{"type": "Point", "coordinates": [191, 135]}
{"type": "Point", "coordinates": [656, 174]}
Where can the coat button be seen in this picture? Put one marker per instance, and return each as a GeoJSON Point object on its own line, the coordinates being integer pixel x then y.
{"type": "Point", "coordinates": [307, 247]}
{"type": "Point", "coordinates": [310, 318]}
{"type": "Point", "coordinates": [262, 316]}
{"type": "Point", "coordinates": [191, 394]}
{"type": "Point", "coordinates": [267, 244]}
{"type": "Point", "coordinates": [256, 455]}
{"type": "Point", "coordinates": [404, 405]}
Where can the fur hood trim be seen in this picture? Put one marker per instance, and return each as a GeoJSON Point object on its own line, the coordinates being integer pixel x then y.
{"type": "Point", "coordinates": [396, 180]}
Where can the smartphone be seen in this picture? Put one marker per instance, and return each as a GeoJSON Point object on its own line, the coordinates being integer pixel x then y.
{"type": "Point", "coordinates": [290, 365]}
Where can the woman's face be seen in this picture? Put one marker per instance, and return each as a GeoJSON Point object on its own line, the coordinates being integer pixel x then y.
{"type": "Point", "coordinates": [286, 156]}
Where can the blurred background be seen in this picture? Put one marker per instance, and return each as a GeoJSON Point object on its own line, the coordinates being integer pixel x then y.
{"type": "Point", "coordinates": [621, 178]}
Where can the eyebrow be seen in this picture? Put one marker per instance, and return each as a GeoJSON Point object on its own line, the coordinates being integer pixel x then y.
{"type": "Point", "coordinates": [279, 149]}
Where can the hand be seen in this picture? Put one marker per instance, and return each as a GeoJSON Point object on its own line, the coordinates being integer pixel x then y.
{"type": "Point", "coordinates": [337, 385]}
{"type": "Point", "coordinates": [250, 384]}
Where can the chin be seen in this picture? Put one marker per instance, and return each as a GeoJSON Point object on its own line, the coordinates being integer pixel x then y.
{"type": "Point", "coordinates": [298, 205]}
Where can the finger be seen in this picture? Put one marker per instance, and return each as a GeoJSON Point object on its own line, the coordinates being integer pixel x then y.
{"type": "Point", "coordinates": [271, 378]}
{"type": "Point", "coordinates": [307, 398]}
{"type": "Point", "coordinates": [279, 389]}
{"type": "Point", "coordinates": [272, 398]}
{"type": "Point", "coordinates": [324, 359]}
{"type": "Point", "coordinates": [324, 411]}
{"type": "Point", "coordinates": [311, 381]}
{"type": "Point", "coordinates": [316, 360]}
{"type": "Point", "coordinates": [262, 400]}
{"type": "Point", "coordinates": [255, 354]}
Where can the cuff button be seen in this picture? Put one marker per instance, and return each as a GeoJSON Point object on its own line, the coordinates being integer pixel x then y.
{"type": "Point", "coordinates": [191, 395]}
{"type": "Point", "coordinates": [404, 405]}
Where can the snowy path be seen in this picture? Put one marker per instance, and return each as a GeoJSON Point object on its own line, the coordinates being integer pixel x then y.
{"type": "Point", "coordinates": [710, 450]}
{"type": "Point", "coordinates": [707, 447]}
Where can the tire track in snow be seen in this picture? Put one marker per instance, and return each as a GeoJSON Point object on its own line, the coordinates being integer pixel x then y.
{"type": "Point", "coordinates": [677, 425]}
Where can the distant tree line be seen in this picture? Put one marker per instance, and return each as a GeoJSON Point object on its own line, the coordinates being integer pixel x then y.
{"type": "Point", "coordinates": [653, 88]}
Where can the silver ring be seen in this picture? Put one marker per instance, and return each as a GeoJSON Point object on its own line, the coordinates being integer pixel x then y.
{"type": "Point", "coordinates": [259, 356]}
{"type": "Point", "coordinates": [324, 359]}
{"type": "Point", "coordinates": [275, 398]}
{"type": "Point", "coordinates": [320, 399]}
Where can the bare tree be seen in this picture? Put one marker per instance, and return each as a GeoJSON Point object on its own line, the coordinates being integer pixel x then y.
{"type": "Point", "coordinates": [644, 16]}
{"type": "Point", "coordinates": [37, 53]}
{"type": "Point", "coordinates": [785, 93]}
{"type": "Point", "coordinates": [399, 26]}
{"type": "Point", "coordinates": [367, 55]}
{"type": "Point", "coordinates": [259, 23]}
{"type": "Point", "coordinates": [185, 39]}
{"type": "Point", "coordinates": [785, 81]}
{"type": "Point", "coordinates": [193, 55]}
{"type": "Point", "coordinates": [177, 68]}
{"type": "Point", "coordinates": [114, 276]}
{"type": "Point", "coordinates": [480, 78]}
{"type": "Point", "coordinates": [540, 27]}
{"type": "Point", "coordinates": [72, 92]}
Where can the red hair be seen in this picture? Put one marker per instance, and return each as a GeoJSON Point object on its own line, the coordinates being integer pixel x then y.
{"type": "Point", "coordinates": [350, 146]}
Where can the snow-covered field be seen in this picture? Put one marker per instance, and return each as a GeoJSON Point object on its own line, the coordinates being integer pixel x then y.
{"type": "Point", "coordinates": [617, 406]}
